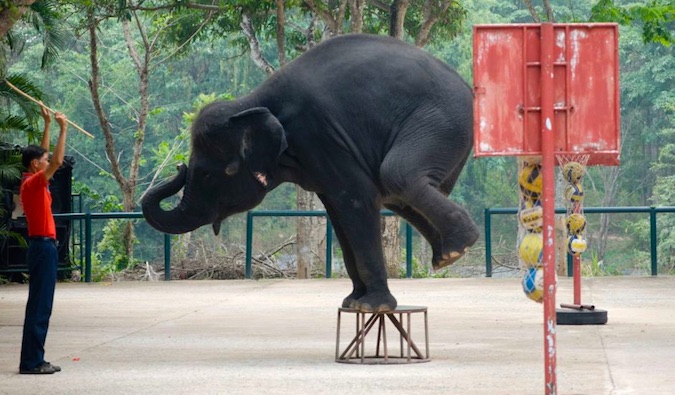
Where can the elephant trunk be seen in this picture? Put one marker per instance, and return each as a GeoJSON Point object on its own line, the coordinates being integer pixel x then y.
{"type": "Point", "coordinates": [177, 220]}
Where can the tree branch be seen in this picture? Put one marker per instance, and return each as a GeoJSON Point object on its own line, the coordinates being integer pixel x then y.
{"type": "Point", "coordinates": [326, 16]}
{"type": "Point", "coordinates": [431, 15]}
{"type": "Point", "coordinates": [256, 54]}
{"type": "Point", "coordinates": [533, 11]}
{"type": "Point", "coordinates": [380, 5]}
{"type": "Point", "coordinates": [549, 10]}
{"type": "Point", "coordinates": [94, 84]}
{"type": "Point", "coordinates": [11, 14]}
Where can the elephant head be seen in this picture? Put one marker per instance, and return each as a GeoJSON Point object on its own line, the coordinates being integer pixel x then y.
{"type": "Point", "coordinates": [233, 165]}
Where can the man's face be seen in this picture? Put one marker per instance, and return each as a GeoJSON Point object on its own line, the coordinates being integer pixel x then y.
{"type": "Point", "coordinates": [42, 163]}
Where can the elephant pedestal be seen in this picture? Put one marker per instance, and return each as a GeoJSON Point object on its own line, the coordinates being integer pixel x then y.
{"type": "Point", "coordinates": [401, 320]}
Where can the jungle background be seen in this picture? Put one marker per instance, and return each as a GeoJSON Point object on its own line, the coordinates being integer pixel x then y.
{"type": "Point", "coordinates": [135, 72]}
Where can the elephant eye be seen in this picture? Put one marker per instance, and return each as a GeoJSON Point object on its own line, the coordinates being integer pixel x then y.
{"type": "Point", "coordinates": [232, 168]}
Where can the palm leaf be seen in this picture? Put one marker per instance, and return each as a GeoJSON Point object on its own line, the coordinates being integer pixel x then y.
{"type": "Point", "coordinates": [45, 20]}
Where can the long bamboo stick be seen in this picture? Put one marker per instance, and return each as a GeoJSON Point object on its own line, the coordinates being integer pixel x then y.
{"type": "Point", "coordinates": [34, 100]}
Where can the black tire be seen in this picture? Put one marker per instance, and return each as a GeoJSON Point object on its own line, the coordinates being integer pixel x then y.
{"type": "Point", "coordinates": [581, 317]}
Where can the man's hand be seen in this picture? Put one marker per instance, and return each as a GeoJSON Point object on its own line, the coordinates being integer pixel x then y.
{"type": "Point", "coordinates": [45, 114]}
{"type": "Point", "coordinates": [61, 119]}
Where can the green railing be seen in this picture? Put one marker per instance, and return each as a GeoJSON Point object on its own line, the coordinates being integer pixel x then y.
{"type": "Point", "coordinates": [329, 237]}
{"type": "Point", "coordinates": [86, 237]}
{"type": "Point", "coordinates": [590, 210]}
{"type": "Point", "coordinates": [87, 218]}
{"type": "Point", "coordinates": [87, 241]}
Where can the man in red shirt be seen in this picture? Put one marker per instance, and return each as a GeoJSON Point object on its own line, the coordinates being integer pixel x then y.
{"type": "Point", "coordinates": [42, 256]}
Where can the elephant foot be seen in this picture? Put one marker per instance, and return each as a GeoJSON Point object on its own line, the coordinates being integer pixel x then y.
{"type": "Point", "coordinates": [455, 248]}
{"type": "Point", "coordinates": [448, 259]}
{"type": "Point", "coordinates": [380, 302]}
{"type": "Point", "coordinates": [351, 300]}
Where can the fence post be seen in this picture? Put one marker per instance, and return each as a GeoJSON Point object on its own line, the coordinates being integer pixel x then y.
{"type": "Point", "coordinates": [329, 248]}
{"type": "Point", "coordinates": [87, 247]}
{"type": "Point", "coordinates": [488, 243]}
{"type": "Point", "coordinates": [652, 239]}
{"type": "Point", "coordinates": [249, 243]}
{"type": "Point", "coordinates": [408, 250]}
{"type": "Point", "coordinates": [167, 257]}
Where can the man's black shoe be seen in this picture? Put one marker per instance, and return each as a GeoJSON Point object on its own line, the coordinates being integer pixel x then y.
{"type": "Point", "coordinates": [56, 368]}
{"type": "Point", "coordinates": [44, 368]}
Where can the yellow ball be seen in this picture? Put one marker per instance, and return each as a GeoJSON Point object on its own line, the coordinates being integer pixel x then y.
{"type": "Point", "coordinates": [533, 284]}
{"type": "Point", "coordinates": [530, 181]}
{"type": "Point", "coordinates": [576, 224]}
{"type": "Point", "coordinates": [531, 249]}
{"type": "Point", "coordinates": [576, 245]}
{"type": "Point", "coordinates": [573, 172]}
{"type": "Point", "coordinates": [531, 215]}
{"type": "Point", "coordinates": [574, 193]}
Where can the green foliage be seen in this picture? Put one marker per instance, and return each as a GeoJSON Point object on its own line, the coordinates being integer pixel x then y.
{"type": "Point", "coordinates": [656, 18]}
{"type": "Point", "coordinates": [21, 116]}
{"type": "Point", "coordinates": [110, 254]}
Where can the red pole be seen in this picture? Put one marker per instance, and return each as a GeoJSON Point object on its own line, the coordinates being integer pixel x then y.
{"type": "Point", "coordinates": [548, 205]}
{"type": "Point", "coordinates": [576, 264]}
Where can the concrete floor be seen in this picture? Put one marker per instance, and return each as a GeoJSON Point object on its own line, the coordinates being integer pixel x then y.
{"type": "Point", "coordinates": [278, 337]}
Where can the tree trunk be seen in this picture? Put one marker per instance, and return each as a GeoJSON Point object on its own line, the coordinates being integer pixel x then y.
{"type": "Point", "coordinates": [311, 236]}
{"type": "Point", "coordinates": [141, 63]}
{"type": "Point", "coordinates": [281, 33]}
{"type": "Point", "coordinates": [357, 7]}
{"type": "Point", "coordinates": [391, 244]}
{"type": "Point", "coordinates": [397, 18]}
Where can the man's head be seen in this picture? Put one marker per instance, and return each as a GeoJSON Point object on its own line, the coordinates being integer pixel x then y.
{"type": "Point", "coordinates": [34, 158]}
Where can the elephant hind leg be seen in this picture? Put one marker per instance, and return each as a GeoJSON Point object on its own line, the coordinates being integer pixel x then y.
{"type": "Point", "coordinates": [426, 229]}
{"type": "Point", "coordinates": [423, 180]}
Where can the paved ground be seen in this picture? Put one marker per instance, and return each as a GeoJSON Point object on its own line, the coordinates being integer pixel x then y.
{"type": "Point", "coordinates": [278, 337]}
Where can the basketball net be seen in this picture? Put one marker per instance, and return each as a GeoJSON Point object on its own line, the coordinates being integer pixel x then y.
{"type": "Point", "coordinates": [572, 192]}
{"type": "Point", "coordinates": [530, 223]}
{"type": "Point", "coordinates": [530, 215]}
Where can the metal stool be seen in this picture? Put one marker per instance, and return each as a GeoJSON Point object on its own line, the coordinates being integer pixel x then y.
{"type": "Point", "coordinates": [355, 351]}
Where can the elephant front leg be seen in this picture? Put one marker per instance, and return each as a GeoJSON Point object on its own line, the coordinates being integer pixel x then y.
{"type": "Point", "coordinates": [359, 221]}
{"type": "Point", "coordinates": [359, 288]}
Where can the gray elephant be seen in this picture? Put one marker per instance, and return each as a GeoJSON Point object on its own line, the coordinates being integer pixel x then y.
{"type": "Point", "coordinates": [364, 122]}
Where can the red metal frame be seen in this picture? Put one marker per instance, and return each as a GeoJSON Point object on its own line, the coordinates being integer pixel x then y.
{"type": "Point", "coordinates": [585, 90]}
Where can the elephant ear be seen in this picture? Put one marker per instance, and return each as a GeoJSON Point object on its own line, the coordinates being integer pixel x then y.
{"type": "Point", "coordinates": [263, 140]}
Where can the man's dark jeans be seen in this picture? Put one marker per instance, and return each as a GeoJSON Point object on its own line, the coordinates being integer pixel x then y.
{"type": "Point", "coordinates": [42, 261]}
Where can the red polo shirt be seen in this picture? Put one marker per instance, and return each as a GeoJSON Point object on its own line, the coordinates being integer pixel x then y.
{"type": "Point", "coordinates": [37, 205]}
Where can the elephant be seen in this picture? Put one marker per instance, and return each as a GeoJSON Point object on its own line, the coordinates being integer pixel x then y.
{"type": "Point", "coordinates": [365, 122]}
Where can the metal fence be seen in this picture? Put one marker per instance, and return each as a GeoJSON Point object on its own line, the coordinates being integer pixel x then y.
{"type": "Point", "coordinates": [85, 235]}
{"type": "Point", "coordinates": [489, 212]}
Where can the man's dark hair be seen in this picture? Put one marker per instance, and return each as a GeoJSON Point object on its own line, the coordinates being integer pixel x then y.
{"type": "Point", "coordinates": [31, 152]}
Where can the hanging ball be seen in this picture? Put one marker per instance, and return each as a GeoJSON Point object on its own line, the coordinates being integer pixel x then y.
{"type": "Point", "coordinates": [574, 193]}
{"type": "Point", "coordinates": [531, 249]}
{"type": "Point", "coordinates": [533, 284]}
{"type": "Point", "coordinates": [573, 172]}
{"type": "Point", "coordinates": [531, 215]}
{"type": "Point", "coordinates": [576, 245]}
{"type": "Point", "coordinates": [576, 224]}
{"type": "Point", "coordinates": [530, 180]}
